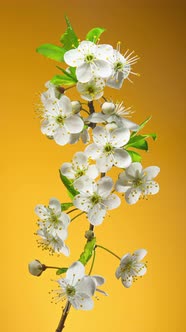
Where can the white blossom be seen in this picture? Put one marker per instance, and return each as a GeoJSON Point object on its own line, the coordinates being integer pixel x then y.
{"type": "Point", "coordinates": [91, 90]}
{"type": "Point", "coordinates": [136, 182]}
{"type": "Point", "coordinates": [90, 60]}
{"type": "Point", "coordinates": [53, 226]}
{"type": "Point", "coordinates": [130, 267]}
{"type": "Point", "coordinates": [35, 268]}
{"type": "Point", "coordinates": [107, 148]}
{"type": "Point", "coordinates": [79, 167]}
{"type": "Point", "coordinates": [52, 93]}
{"type": "Point", "coordinates": [83, 135]}
{"type": "Point", "coordinates": [95, 198]}
{"type": "Point", "coordinates": [121, 67]}
{"type": "Point", "coordinates": [59, 121]}
{"type": "Point", "coordinates": [77, 287]}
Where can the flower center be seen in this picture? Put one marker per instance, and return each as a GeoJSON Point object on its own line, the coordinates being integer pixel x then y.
{"type": "Point", "coordinates": [137, 182]}
{"type": "Point", "coordinates": [60, 120]}
{"type": "Point", "coordinates": [90, 90]}
{"type": "Point", "coordinates": [127, 267]}
{"type": "Point", "coordinates": [118, 66]}
{"type": "Point", "coordinates": [80, 172]}
{"type": "Point", "coordinates": [89, 58]}
{"type": "Point", "coordinates": [70, 290]}
{"type": "Point", "coordinates": [95, 199]}
{"type": "Point", "coordinates": [108, 148]}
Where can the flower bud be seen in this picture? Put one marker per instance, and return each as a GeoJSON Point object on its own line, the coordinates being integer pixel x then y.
{"type": "Point", "coordinates": [89, 235]}
{"type": "Point", "coordinates": [76, 106]}
{"type": "Point", "coordinates": [36, 268]}
{"type": "Point", "coordinates": [108, 108]}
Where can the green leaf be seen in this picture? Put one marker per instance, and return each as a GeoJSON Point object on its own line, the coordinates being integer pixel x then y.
{"type": "Point", "coordinates": [69, 38]}
{"type": "Point", "coordinates": [88, 251]}
{"type": "Point", "coordinates": [94, 34]}
{"type": "Point", "coordinates": [52, 52]}
{"type": "Point", "coordinates": [62, 80]}
{"type": "Point", "coordinates": [65, 206]}
{"type": "Point", "coordinates": [142, 125]}
{"type": "Point", "coordinates": [61, 270]}
{"type": "Point", "coordinates": [135, 156]}
{"type": "Point", "coordinates": [68, 184]}
{"type": "Point", "coordinates": [139, 141]}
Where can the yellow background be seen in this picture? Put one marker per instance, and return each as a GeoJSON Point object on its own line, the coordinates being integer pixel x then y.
{"type": "Point", "coordinates": [30, 162]}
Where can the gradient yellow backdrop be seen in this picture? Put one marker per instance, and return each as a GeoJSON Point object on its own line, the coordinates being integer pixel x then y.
{"type": "Point", "coordinates": [30, 162]}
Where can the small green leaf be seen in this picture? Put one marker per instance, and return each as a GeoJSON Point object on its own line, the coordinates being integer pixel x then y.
{"type": "Point", "coordinates": [135, 156]}
{"type": "Point", "coordinates": [69, 38]}
{"type": "Point", "coordinates": [139, 141]}
{"type": "Point", "coordinates": [65, 206]}
{"type": "Point", "coordinates": [88, 251]}
{"type": "Point", "coordinates": [68, 184]}
{"type": "Point", "coordinates": [94, 34]}
{"type": "Point", "coordinates": [62, 80]}
{"type": "Point", "coordinates": [52, 52]}
{"type": "Point", "coordinates": [61, 270]}
{"type": "Point", "coordinates": [142, 125]}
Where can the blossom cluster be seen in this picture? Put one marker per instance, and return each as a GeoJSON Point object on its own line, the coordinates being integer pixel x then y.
{"type": "Point", "coordinates": [109, 137]}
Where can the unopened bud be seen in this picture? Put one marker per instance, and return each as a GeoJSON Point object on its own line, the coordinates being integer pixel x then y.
{"type": "Point", "coordinates": [89, 235]}
{"type": "Point", "coordinates": [76, 106]}
{"type": "Point", "coordinates": [36, 268]}
{"type": "Point", "coordinates": [108, 108]}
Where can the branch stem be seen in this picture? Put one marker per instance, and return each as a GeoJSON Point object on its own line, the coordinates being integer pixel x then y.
{"type": "Point", "coordinates": [64, 315]}
{"type": "Point", "coordinates": [108, 250]}
{"type": "Point", "coordinates": [77, 216]}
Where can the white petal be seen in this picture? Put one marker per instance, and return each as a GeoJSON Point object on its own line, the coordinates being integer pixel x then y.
{"type": "Point", "coordinates": [85, 136]}
{"type": "Point", "coordinates": [97, 118]}
{"type": "Point", "coordinates": [74, 138]}
{"type": "Point", "coordinates": [86, 286]}
{"type": "Point", "coordinates": [104, 51]}
{"type": "Point", "coordinates": [140, 254]}
{"type": "Point", "coordinates": [42, 211]}
{"type": "Point", "coordinates": [61, 136]}
{"type": "Point", "coordinates": [93, 151]}
{"type": "Point", "coordinates": [82, 203]}
{"type": "Point", "coordinates": [116, 80]}
{"type": "Point", "coordinates": [74, 124]}
{"type": "Point", "coordinates": [132, 195]}
{"type": "Point", "coordinates": [84, 73]}
{"type": "Point", "coordinates": [65, 104]}
{"type": "Point", "coordinates": [118, 272]}
{"type": "Point", "coordinates": [80, 160]}
{"type": "Point", "coordinates": [75, 272]}
{"type": "Point", "coordinates": [105, 185]}
{"type": "Point", "coordinates": [65, 219]}
{"type": "Point", "coordinates": [105, 162]}
{"type": "Point", "coordinates": [150, 188]}
{"type": "Point", "coordinates": [99, 280]}
{"type": "Point", "coordinates": [133, 169]}
{"type": "Point", "coordinates": [48, 128]}
{"type": "Point", "coordinates": [129, 124]}
{"type": "Point", "coordinates": [102, 68]}
{"type": "Point", "coordinates": [72, 58]}
{"type": "Point", "coordinates": [112, 202]}
{"type": "Point", "coordinates": [101, 136]}
{"type": "Point", "coordinates": [120, 137]}
{"type": "Point", "coordinates": [92, 171]}
{"type": "Point", "coordinates": [96, 214]}
{"type": "Point", "coordinates": [101, 291]}
{"type": "Point", "coordinates": [140, 269]}
{"type": "Point", "coordinates": [151, 172]}
{"type": "Point", "coordinates": [122, 158]}
{"type": "Point", "coordinates": [65, 250]}
{"type": "Point", "coordinates": [82, 302]}
{"type": "Point", "coordinates": [67, 170]}
{"type": "Point", "coordinates": [85, 185]}
{"type": "Point", "coordinates": [122, 184]}
{"type": "Point", "coordinates": [55, 205]}
{"type": "Point", "coordinates": [125, 259]}
{"type": "Point", "coordinates": [127, 281]}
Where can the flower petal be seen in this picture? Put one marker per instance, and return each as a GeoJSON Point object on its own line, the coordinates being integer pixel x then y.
{"type": "Point", "coordinates": [93, 151]}
{"type": "Point", "coordinates": [101, 136]}
{"type": "Point", "coordinates": [140, 254]}
{"type": "Point", "coordinates": [67, 170]}
{"type": "Point", "coordinates": [112, 202]}
{"type": "Point", "coordinates": [151, 172]}
{"type": "Point", "coordinates": [84, 72]}
{"type": "Point", "coordinates": [105, 162]}
{"type": "Point", "coordinates": [85, 185]}
{"type": "Point", "coordinates": [133, 169]}
{"type": "Point", "coordinates": [82, 203]}
{"type": "Point", "coordinates": [74, 124]}
{"type": "Point", "coordinates": [105, 185]}
{"type": "Point", "coordinates": [86, 286]}
{"type": "Point", "coordinates": [150, 188]}
{"type": "Point", "coordinates": [61, 136]}
{"type": "Point", "coordinates": [119, 137]}
{"type": "Point", "coordinates": [132, 195]}
{"type": "Point", "coordinates": [65, 104]}
{"type": "Point", "coordinates": [55, 205]}
{"type": "Point", "coordinates": [72, 58]}
{"type": "Point", "coordinates": [80, 160]}
{"type": "Point", "coordinates": [92, 171]}
{"type": "Point", "coordinates": [96, 214]}
{"type": "Point", "coordinates": [42, 212]}
{"type": "Point", "coordinates": [127, 281]}
{"type": "Point", "coordinates": [122, 158]}
{"type": "Point", "coordinates": [75, 272]}
{"type": "Point", "coordinates": [99, 280]}
{"type": "Point", "coordinates": [140, 269]}
{"type": "Point", "coordinates": [82, 302]}
{"type": "Point", "coordinates": [102, 68]}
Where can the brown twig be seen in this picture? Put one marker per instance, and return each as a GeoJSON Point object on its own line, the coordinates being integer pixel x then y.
{"type": "Point", "coordinates": [65, 312]}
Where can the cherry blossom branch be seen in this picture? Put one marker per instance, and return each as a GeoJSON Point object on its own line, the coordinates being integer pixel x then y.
{"type": "Point", "coordinates": [65, 312]}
